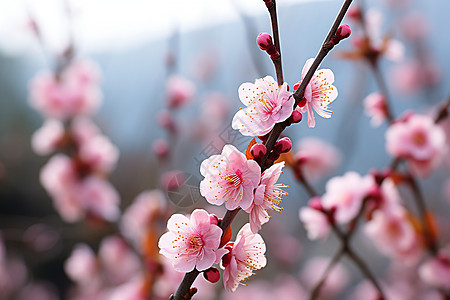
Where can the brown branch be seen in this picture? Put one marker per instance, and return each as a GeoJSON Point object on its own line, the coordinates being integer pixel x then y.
{"type": "Point", "coordinates": [298, 95]}
{"type": "Point", "coordinates": [276, 40]}
{"type": "Point", "coordinates": [383, 89]}
{"type": "Point", "coordinates": [184, 287]}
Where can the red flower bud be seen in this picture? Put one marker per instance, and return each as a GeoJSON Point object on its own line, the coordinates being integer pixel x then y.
{"type": "Point", "coordinates": [212, 275]}
{"type": "Point", "coordinates": [283, 145]}
{"type": "Point", "coordinates": [258, 151]}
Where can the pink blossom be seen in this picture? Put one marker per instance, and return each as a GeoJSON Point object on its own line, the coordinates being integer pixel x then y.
{"type": "Point", "coordinates": [141, 214]}
{"type": "Point", "coordinates": [45, 140]}
{"type": "Point", "coordinates": [82, 266]}
{"type": "Point", "coordinates": [131, 290]}
{"type": "Point", "coordinates": [99, 153]}
{"type": "Point", "coordinates": [229, 178]}
{"type": "Point", "coordinates": [317, 158]}
{"type": "Point", "coordinates": [319, 93]}
{"type": "Point", "coordinates": [391, 48]}
{"type": "Point", "coordinates": [119, 262]}
{"type": "Point", "coordinates": [60, 180]}
{"type": "Point", "coordinates": [394, 235]}
{"type": "Point", "coordinates": [336, 281]}
{"type": "Point", "coordinates": [375, 107]}
{"type": "Point", "coordinates": [74, 92]}
{"type": "Point", "coordinates": [315, 222]}
{"type": "Point", "coordinates": [346, 194]}
{"type": "Point", "coordinates": [83, 129]}
{"type": "Point", "coordinates": [99, 197]}
{"type": "Point", "coordinates": [419, 140]}
{"type": "Point", "coordinates": [246, 256]}
{"type": "Point", "coordinates": [266, 104]}
{"type": "Point", "coordinates": [410, 77]}
{"type": "Point", "coordinates": [179, 91]}
{"type": "Point", "coordinates": [436, 271]}
{"type": "Point", "coordinates": [268, 195]}
{"type": "Point", "coordinates": [191, 243]}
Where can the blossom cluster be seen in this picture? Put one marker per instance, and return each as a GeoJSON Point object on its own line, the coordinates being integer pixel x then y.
{"type": "Point", "coordinates": [75, 177]}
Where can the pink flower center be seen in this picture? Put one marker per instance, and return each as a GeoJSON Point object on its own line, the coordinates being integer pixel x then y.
{"type": "Point", "coordinates": [419, 138]}
{"type": "Point", "coordinates": [234, 179]}
{"type": "Point", "coordinates": [267, 105]}
{"type": "Point", "coordinates": [196, 242]}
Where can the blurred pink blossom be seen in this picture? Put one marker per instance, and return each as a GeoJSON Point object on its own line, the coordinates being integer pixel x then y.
{"type": "Point", "coordinates": [316, 157]}
{"type": "Point", "coordinates": [315, 221]}
{"type": "Point", "coordinates": [345, 194]}
{"type": "Point", "coordinates": [435, 271]}
{"type": "Point", "coordinates": [266, 104]}
{"type": "Point", "coordinates": [375, 107]}
{"type": "Point", "coordinates": [411, 76]}
{"type": "Point", "coordinates": [419, 140]}
{"type": "Point", "coordinates": [191, 243]}
{"type": "Point", "coordinates": [319, 93]}
{"type": "Point", "coordinates": [229, 178]}
{"type": "Point", "coordinates": [99, 153]}
{"type": "Point", "coordinates": [268, 195]}
{"type": "Point", "coordinates": [336, 281]}
{"type": "Point", "coordinates": [139, 216]}
{"type": "Point", "coordinates": [394, 235]}
{"type": "Point", "coordinates": [99, 197]}
{"type": "Point", "coordinates": [179, 91]}
{"type": "Point", "coordinates": [246, 256]}
{"type": "Point", "coordinates": [131, 290]}
{"type": "Point", "coordinates": [118, 261]}
{"type": "Point", "coordinates": [82, 266]}
{"type": "Point", "coordinates": [414, 26]}
{"type": "Point", "coordinates": [75, 92]}
{"type": "Point", "coordinates": [45, 140]}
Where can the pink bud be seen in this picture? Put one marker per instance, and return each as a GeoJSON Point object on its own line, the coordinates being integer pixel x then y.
{"type": "Point", "coordinates": [283, 145]}
{"type": "Point", "coordinates": [315, 203]}
{"type": "Point", "coordinates": [173, 180]}
{"type": "Point", "coordinates": [166, 121]}
{"type": "Point", "coordinates": [343, 32]}
{"type": "Point", "coordinates": [295, 117]}
{"type": "Point", "coordinates": [213, 219]}
{"type": "Point", "coordinates": [258, 151]}
{"type": "Point", "coordinates": [264, 41]}
{"type": "Point", "coordinates": [354, 12]}
{"type": "Point", "coordinates": [161, 148]}
{"type": "Point", "coordinates": [212, 275]}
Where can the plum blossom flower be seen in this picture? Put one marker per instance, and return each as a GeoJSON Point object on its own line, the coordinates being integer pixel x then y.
{"type": "Point", "coordinates": [346, 194]}
{"type": "Point", "coordinates": [266, 104]}
{"type": "Point", "coordinates": [315, 221]}
{"type": "Point", "coordinates": [141, 214]}
{"type": "Point", "coordinates": [191, 243]}
{"type": "Point", "coordinates": [394, 235]}
{"type": "Point", "coordinates": [75, 92]}
{"type": "Point", "coordinates": [45, 140]}
{"type": "Point", "coordinates": [436, 271]}
{"type": "Point", "coordinates": [99, 153]}
{"type": "Point", "coordinates": [319, 93]}
{"type": "Point", "coordinates": [179, 91]}
{"type": "Point", "coordinates": [229, 178]}
{"type": "Point", "coordinates": [317, 158]}
{"type": "Point", "coordinates": [246, 256]}
{"type": "Point", "coordinates": [419, 140]}
{"type": "Point", "coordinates": [82, 266]}
{"type": "Point", "coordinates": [336, 281]}
{"type": "Point", "coordinates": [268, 195]}
{"type": "Point", "coordinates": [375, 107]}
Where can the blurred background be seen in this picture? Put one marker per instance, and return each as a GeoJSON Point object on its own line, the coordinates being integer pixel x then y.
{"type": "Point", "coordinates": [209, 46]}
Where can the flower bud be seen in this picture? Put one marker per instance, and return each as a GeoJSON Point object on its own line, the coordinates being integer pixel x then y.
{"type": "Point", "coordinates": [265, 42]}
{"type": "Point", "coordinates": [343, 32]}
{"type": "Point", "coordinates": [258, 151]}
{"type": "Point", "coordinates": [212, 275]}
{"type": "Point", "coordinates": [295, 117]}
{"type": "Point", "coordinates": [161, 148]}
{"type": "Point", "coordinates": [213, 219]}
{"type": "Point", "coordinates": [283, 145]}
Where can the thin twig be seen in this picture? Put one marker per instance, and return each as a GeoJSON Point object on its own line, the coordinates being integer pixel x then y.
{"type": "Point", "coordinates": [276, 39]}
{"type": "Point", "coordinates": [383, 89]}
{"type": "Point", "coordinates": [298, 95]}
